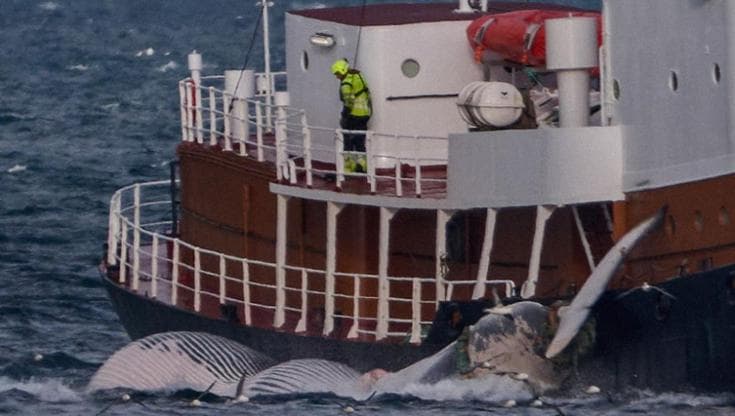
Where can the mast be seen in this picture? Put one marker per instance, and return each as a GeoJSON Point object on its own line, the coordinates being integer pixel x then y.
{"type": "Point", "coordinates": [267, 58]}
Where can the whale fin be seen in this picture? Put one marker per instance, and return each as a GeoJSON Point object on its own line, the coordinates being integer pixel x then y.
{"type": "Point", "coordinates": [576, 314]}
{"type": "Point", "coordinates": [180, 360]}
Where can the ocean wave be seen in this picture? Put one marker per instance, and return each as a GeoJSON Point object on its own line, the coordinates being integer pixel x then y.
{"type": "Point", "coordinates": [48, 390]}
{"type": "Point", "coordinates": [145, 52]}
{"type": "Point", "coordinates": [17, 168]}
{"type": "Point", "coordinates": [49, 6]}
{"type": "Point", "coordinates": [78, 67]}
{"type": "Point", "coordinates": [168, 66]}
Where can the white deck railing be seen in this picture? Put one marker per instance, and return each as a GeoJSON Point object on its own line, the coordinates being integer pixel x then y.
{"type": "Point", "coordinates": [211, 115]}
{"type": "Point", "coordinates": [152, 264]}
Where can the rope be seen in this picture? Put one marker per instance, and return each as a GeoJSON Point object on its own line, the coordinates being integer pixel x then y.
{"type": "Point", "coordinates": [247, 55]}
{"type": "Point", "coordinates": [359, 32]}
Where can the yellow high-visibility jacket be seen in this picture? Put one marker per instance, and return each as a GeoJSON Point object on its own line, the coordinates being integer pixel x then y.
{"type": "Point", "coordinates": [355, 96]}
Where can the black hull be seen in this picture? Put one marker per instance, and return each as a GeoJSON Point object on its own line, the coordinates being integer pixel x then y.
{"type": "Point", "coordinates": [644, 339]}
{"type": "Point", "coordinates": [144, 316]}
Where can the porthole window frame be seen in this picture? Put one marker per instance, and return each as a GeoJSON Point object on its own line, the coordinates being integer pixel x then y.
{"type": "Point", "coordinates": [716, 73]}
{"type": "Point", "coordinates": [409, 73]}
{"type": "Point", "coordinates": [304, 60]}
{"type": "Point", "coordinates": [674, 81]}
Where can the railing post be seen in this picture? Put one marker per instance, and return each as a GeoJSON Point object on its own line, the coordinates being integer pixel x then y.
{"type": "Point", "coordinates": [399, 181]}
{"type": "Point", "coordinates": [542, 216]}
{"type": "Point", "coordinates": [370, 158]}
{"type": "Point", "coordinates": [182, 105]}
{"type": "Point", "coordinates": [487, 247]}
{"type": "Point", "coordinates": [199, 120]}
{"type": "Point", "coordinates": [355, 308]}
{"type": "Point", "coordinates": [333, 210]}
{"type": "Point", "coordinates": [339, 159]}
{"type": "Point", "coordinates": [416, 312]}
{"type": "Point", "coordinates": [246, 292]}
{"type": "Point", "coordinates": [190, 134]}
{"type": "Point", "coordinates": [386, 215]}
{"type": "Point", "coordinates": [175, 261]}
{"type": "Point", "coordinates": [280, 148]}
{"type": "Point", "coordinates": [442, 218]}
{"type": "Point", "coordinates": [222, 282]}
{"type": "Point", "coordinates": [306, 132]}
{"type": "Point", "coordinates": [154, 267]}
{"type": "Point", "coordinates": [123, 251]}
{"type": "Point", "coordinates": [281, 235]}
{"type": "Point", "coordinates": [113, 230]}
{"type": "Point", "coordinates": [213, 118]}
{"type": "Point", "coordinates": [418, 177]}
{"type": "Point", "coordinates": [301, 325]}
{"type": "Point", "coordinates": [197, 280]}
{"type": "Point", "coordinates": [226, 116]}
{"type": "Point", "coordinates": [259, 130]}
{"type": "Point", "coordinates": [136, 237]}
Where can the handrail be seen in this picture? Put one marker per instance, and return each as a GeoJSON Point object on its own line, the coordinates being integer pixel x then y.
{"type": "Point", "coordinates": [282, 135]}
{"type": "Point", "coordinates": [151, 262]}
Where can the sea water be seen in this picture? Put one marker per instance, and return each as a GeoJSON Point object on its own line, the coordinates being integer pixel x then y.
{"type": "Point", "coordinates": [88, 104]}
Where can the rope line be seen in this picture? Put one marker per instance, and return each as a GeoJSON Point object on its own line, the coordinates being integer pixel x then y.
{"type": "Point", "coordinates": [247, 55]}
{"type": "Point", "coordinates": [359, 32]}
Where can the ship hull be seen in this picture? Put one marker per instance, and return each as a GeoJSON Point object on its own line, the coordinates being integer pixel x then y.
{"type": "Point", "coordinates": [142, 316]}
{"type": "Point", "coordinates": [645, 339]}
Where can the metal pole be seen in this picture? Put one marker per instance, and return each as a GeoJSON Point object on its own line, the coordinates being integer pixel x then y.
{"type": "Point", "coordinates": [267, 58]}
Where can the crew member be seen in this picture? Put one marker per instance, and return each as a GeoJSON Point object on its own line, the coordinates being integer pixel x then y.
{"type": "Point", "coordinates": [356, 111]}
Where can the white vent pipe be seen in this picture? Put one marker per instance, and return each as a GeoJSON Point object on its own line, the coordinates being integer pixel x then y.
{"type": "Point", "coordinates": [571, 51]}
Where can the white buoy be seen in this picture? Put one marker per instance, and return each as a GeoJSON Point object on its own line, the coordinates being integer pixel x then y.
{"type": "Point", "coordinates": [592, 390]}
{"type": "Point", "coordinates": [520, 376]}
{"type": "Point", "coordinates": [486, 364]}
{"type": "Point", "coordinates": [537, 403]}
{"type": "Point", "coordinates": [196, 403]}
{"type": "Point", "coordinates": [125, 397]}
{"type": "Point", "coordinates": [242, 399]}
{"type": "Point", "coordinates": [38, 357]}
{"type": "Point", "coordinates": [509, 403]}
{"type": "Point", "coordinates": [348, 409]}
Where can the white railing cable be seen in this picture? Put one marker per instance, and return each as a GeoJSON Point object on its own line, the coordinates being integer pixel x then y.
{"type": "Point", "coordinates": [154, 250]}
{"type": "Point", "coordinates": [302, 147]}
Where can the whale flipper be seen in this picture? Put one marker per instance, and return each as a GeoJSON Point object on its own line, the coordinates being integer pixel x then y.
{"type": "Point", "coordinates": [180, 360]}
{"type": "Point", "coordinates": [576, 314]}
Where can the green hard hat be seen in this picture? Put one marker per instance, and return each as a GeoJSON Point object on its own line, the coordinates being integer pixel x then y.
{"type": "Point", "coordinates": [340, 66]}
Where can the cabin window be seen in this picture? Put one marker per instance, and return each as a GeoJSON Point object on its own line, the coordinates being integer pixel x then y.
{"type": "Point", "coordinates": [716, 73]}
{"type": "Point", "coordinates": [673, 81]}
{"type": "Point", "coordinates": [304, 61]}
{"type": "Point", "coordinates": [724, 216]}
{"type": "Point", "coordinates": [410, 68]}
{"type": "Point", "coordinates": [670, 226]}
{"type": "Point", "coordinates": [698, 221]}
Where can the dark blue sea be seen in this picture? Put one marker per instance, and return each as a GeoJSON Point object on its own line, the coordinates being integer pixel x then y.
{"type": "Point", "coordinates": [88, 104]}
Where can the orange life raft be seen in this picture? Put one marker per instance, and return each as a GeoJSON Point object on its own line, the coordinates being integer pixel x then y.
{"type": "Point", "coordinates": [519, 36]}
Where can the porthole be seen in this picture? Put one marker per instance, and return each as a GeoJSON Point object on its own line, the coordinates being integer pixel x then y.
{"type": "Point", "coordinates": [673, 81]}
{"type": "Point", "coordinates": [410, 68]}
{"type": "Point", "coordinates": [670, 226]}
{"type": "Point", "coordinates": [616, 90]}
{"type": "Point", "coordinates": [716, 74]}
{"type": "Point", "coordinates": [723, 217]}
{"type": "Point", "coordinates": [698, 221]}
{"type": "Point", "coordinates": [304, 61]}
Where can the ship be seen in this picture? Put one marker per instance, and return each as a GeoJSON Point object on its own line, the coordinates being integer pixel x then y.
{"type": "Point", "coordinates": [511, 146]}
